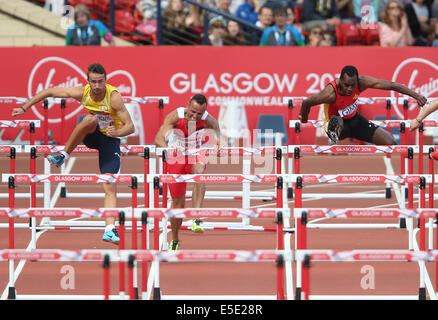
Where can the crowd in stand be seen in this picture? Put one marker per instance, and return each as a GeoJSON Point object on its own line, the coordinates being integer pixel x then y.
{"type": "Point", "coordinates": [397, 23]}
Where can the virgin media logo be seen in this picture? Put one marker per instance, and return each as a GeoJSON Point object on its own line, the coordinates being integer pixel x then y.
{"type": "Point", "coordinates": [57, 72]}
{"type": "Point", "coordinates": [420, 75]}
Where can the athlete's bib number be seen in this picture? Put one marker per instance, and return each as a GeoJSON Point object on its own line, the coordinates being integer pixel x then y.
{"type": "Point", "coordinates": [104, 120]}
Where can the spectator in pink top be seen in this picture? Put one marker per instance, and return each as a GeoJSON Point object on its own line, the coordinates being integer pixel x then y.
{"type": "Point", "coordinates": [394, 30]}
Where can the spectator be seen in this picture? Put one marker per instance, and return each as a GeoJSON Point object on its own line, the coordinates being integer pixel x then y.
{"type": "Point", "coordinates": [394, 30]}
{"type": "Point", "coordinates": [323, 13]}
{"type": "Point", "coordinates": [427, 35]}
{"type": "Point", "coordinates": [435, 9]}
{"type": "Point", "coordinates": [195, 19]}
{"type": "Point", "coordinates": [419, 15]}
{"type": "Point", "coordinates": [233, 34]}
{"type": "Point", "coordinates": [148, 9]}
{"type": "Point", "coordinates": [291, 19]}
{"type": "Point", "coordinates": [265, 17]}
{"type": "Point", "coordinates": [174, 31]}
{"type": "Point", "coordinates": [281, 34]}
{"type": "Point", "coordinates": [86, 32]}
{"type": "Point", "coordinates": [366, 10]}
{"type": "Point", "coordinates": [381, 5]}
{"type": "Point", "coordinates": [216, 31]}
{"type": "Point", "coordinates": [223, 6]}
{"type": "Point", "coordinates": [315, 37]}
{"type": "Point", "coordinates": [435, 40]}
{"type": "Point", "coordinates": [346, 11]}
{"type": "Point", "coordinates": [248, 10]}
{"type": "Point", "coordinates": [328, 39]}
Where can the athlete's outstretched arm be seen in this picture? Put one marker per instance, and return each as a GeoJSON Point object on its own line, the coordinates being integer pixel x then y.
{"type": "Point", "coordinates": [75, 93]}
{"type": "Point", "coordinates": [119, 107]}
{"type": "Point", "coordinates": [170, 122]}
{"type": "Point", "coordinates": [327, 95]}
{"type": "Point", "coordinates": [366, 82]}
{"type": "Point", "coordinates": [424, 112]}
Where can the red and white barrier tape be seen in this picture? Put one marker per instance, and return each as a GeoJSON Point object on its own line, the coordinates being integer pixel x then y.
{"type": "Point", "coordinates": [137, 212]}
{"type": "Point", "coordinates": [381, 123]}
{"type": "Point", "coordinates": [366, 255]}
{"type": "Point", "coordinates": [366, 100]}
{"type": "Point", "coordinates": [216, 178]}
{"type": "Point", "coordinates": [353, 149]}
{"type": "Point", "coordinates": [227, 151]}
{"type": "Point", "coordinates": [60, 212]}
{"type": "Point", "coordinates": [141, 100]}
{"type": "Point", "coordinates": [214, 213]}
{"type": "Point", "coordinates": [7, 149]}
{"type": "Point", "coordinates": [360, 178]}
{"type": "Point", "coordinates": [124, 149]}
{"type": "Point", "coordinates": [19, 123]}
{"type": "Point", "coordinates": [365, 213]}
{"type": "Point", "coordinates": [73, 178]}
{"type": "Point", "coordinates": [146, 255]}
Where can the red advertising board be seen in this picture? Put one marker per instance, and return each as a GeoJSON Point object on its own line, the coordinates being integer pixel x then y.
{"type": "Point", "coordinates": [256, 77]}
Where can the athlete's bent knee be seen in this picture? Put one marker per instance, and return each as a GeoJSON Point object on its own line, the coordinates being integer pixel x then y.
{"type": "Point", "coordinates": [89, 121]}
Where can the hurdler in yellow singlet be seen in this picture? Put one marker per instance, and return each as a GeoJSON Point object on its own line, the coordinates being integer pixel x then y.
{"type": "Point", "coordinates": [105, 115]}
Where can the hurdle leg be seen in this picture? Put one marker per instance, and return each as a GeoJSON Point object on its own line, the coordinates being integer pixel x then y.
{"type": "Point", "coordinates": [134, 231]}
{"type": "Point", "coordinates": [121, 263]}
{"type": "Point", "coordinates": [131, 277]}
{"type": "Point", "coordinates": [157, 290]}
{"type": "Point", "coordinates": [144, 242]}
{"type": "Point", "coordinates": [11, 290]}
{"type": "Point", "coordinates": [47, 192]}
{"type": "Point", "coordinates": [33, 196]}
{"type": "Point", "coordinates": [246, 188]}
{"type": "Point", "coordinates": [12, 295]}
{"type": "Point", "coordinates": [422, 289]}
{"type": "Point", "coordinates": [106, 277]}
{"type": "Point", "coordinates": [299, 264]}
{"type": "Point", "coordinates": [430, 234]}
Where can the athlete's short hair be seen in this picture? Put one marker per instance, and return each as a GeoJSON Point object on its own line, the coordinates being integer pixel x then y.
{"type": "Point", "coordinates": [350, 71]}
{"type": "Point", "coordinates": [199, 98]}
{"type": "Point", "coordinates": [96, 68]}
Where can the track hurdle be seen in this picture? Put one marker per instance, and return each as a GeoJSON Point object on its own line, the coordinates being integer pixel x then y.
{"type": "Point", "coordinates": [12, 179]}
{"type": "Point", "coordinates": [130, 256]}
{"type": "Point", "coordinates": [302, 216]}
{"type": "Point", "coordinates": [220, 178]}
{"type": "Point", "coordinates": [215, 156]}
{"type": "Point", "coordinates": [22, 124]}
{"type": "Point", "coordinates": [306, 257]}
{"type": "Point", "coordinates": [360, 178]}
{"type": "Point", "coordinates": [63, 102]}
{"type": "Point", "coordinates": [278, 214]}
{"type": "Point", "coordinates": [298, 150]}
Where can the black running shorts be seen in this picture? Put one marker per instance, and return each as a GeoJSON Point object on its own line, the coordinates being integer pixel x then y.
{"type": "Point", "coordinates": [109, 151]}
{"type": "Point", "coordinates": [358, 127]}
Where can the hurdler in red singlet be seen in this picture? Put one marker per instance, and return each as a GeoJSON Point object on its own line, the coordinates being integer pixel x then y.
{"type": "Point", "coordinates": [340, 100]}
{"type": "Point", "coordinates": [182, 138]}
{"type": "Point", "coordinates": [344, 106]}
{"type": "Point", "coordinates": [182, 129]}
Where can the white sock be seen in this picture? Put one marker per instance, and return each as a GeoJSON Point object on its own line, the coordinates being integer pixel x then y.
{"type": "Point", "coordinates": [66, 155]}
{"type": "Point", "coordinates": [109, 227]}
